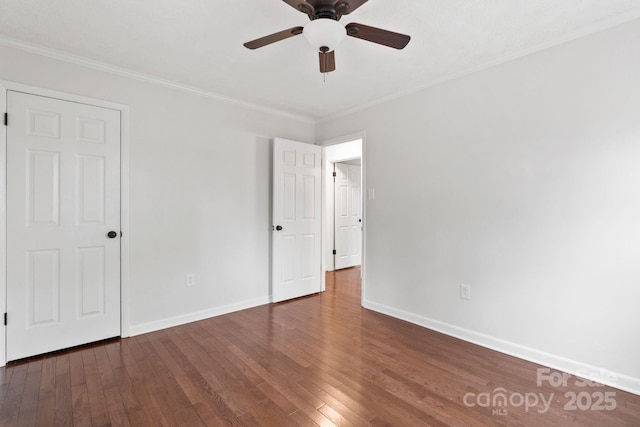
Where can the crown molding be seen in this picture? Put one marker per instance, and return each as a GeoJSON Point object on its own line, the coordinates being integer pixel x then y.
{"type": "Point", "coordinates": [584, 32]}
{"type": "Point", "coordinates": [147, 78]}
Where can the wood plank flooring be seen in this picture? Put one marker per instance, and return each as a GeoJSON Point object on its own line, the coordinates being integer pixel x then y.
{"type": "Point", "coordinates": [320, 360]}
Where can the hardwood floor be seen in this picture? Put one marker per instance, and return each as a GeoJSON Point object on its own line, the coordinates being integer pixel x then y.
{"type": "Point", "coordinates": [321, 360]}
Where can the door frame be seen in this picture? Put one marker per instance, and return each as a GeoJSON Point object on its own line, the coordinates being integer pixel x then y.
{"type": "Point", "coordinates": [327, 164]}
{"type": "Point", "coordinates": [124, 196]}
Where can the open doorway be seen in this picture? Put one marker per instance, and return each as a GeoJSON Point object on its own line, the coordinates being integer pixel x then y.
{"type": "Point", "coordinates": [345, 152]}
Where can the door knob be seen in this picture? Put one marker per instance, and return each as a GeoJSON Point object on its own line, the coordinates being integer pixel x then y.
{"type": "Point", "coordinates": [112, 234]}
{"type": "Point", "coordinates": [278, 227]}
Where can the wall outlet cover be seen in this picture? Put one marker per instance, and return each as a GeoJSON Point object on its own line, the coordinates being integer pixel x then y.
{"type": "Point", "coordinates": [465, 292]}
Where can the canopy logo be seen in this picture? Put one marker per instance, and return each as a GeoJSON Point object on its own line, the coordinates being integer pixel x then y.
{"type": "Point", "coordinates": [500, 399]}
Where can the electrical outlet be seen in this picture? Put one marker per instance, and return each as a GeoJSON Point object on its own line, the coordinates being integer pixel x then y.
{"type": "Point", "coordinates": [465, 291]}
{"type": "Point", "coordinates": [190, 281]}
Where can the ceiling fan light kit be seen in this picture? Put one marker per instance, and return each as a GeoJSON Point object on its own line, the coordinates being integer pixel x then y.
{"type": "Point", "coordinates": [324, 33]}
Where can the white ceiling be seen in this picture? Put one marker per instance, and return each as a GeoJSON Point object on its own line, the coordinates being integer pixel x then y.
{"type": "Point", "coordinates": [198, 43]}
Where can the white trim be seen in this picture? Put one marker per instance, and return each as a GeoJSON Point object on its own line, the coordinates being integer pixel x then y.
{"type": "Point", "coordinates": [592, 29]}
{"type": "Point", "coordinates": [343, 139]}
{"type": "Point", "coordinates": [124, 196]}
{"type": "Point", "coordinates": [196, 316]}
{"type": "Point", "coordinates": [3, 223]}
{"type": "Point", "coordinates": [100, 66]}
{"type": "Point", "coordinates": [125, 301]}
{"type": "Point", "coordinates": [583, 370]}
{"type": "Point", "coordinates": [66, 96]}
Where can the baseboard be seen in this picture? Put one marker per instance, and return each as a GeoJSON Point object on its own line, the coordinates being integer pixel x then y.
{"type": "Point", "coordinates": [583, 370]}
{"type": "Point", "coordinates": [195, 316]}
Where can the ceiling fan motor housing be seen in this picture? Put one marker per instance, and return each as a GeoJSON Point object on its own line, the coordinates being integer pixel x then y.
{"type": "Point", "coordinates": [331, 9]}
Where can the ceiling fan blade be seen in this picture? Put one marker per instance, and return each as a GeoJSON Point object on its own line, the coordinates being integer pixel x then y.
{"type": "Point", "coordinates": [345, 7]}
{"type": "Point", "coordinates": [272, 38]}
{"type": "Point", "coordinates": [377, 35]}
{"type": "Point", "coordinates": [301, 6]}
{"type": "Point", "coordinates": [327, 61]}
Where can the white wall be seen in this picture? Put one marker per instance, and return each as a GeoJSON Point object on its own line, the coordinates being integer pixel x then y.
{"type": "Point", "coordinates": [199, 190]}
{"type": "Point", "coordinates": [523, 181]}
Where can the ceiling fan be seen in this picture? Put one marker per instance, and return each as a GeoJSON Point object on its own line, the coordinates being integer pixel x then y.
{"type": "Point", "coordinates": [325, 33]}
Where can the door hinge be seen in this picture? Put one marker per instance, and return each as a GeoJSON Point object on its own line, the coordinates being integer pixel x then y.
{"type": "Point", "coordinates": [5, 319]}
{"type": "Point", "coordinates": [6, 119]}
{"type": "Point", "coordinates": [335, 174]}
{"type": "Point", "coordinates": [334, 252]}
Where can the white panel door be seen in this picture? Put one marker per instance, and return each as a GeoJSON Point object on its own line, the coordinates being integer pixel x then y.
{"type": "Point", "coordinates": [348, 217]}
{"type": "Point", "coordinates": [63, 199]}
{"type": "Point", "coordinates": [297, 229]}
